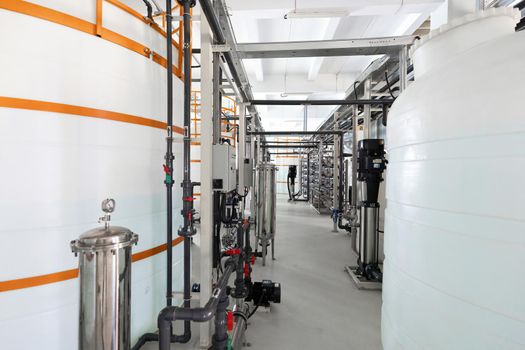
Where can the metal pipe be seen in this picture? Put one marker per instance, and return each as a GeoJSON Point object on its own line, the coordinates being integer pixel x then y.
{"type": "Point", "coordinates": [403, 69]}
{"type": "Point", "coordinates": [241, 317]}
{"type": "Point", "coordinates": [292, 133]}
{"type": "Point", "coordinates": [207, 10]}
{"type": "Point", "coordinates": [202, 314]}
{"type": "Point", "coordinates": [186, 336]}
{"type": "Point", "coordinates": [289, 146]}
{"type": "Point", "coordinates": [320, 102]}
{"type": "Point", "coordinates": [354, 179]}
{"type": "Point", "coordinates": [240, 291]}
{"type": "Point", "coordinates": [292, 142]}
{"type": "Point", "coordinates": [187, 186]}
{"type": "Point", "coordinates": [220, 338]}
{"type": "Point", "coordinates": [169, 157]}
{"type": "Point", "coordinates": [217, 98]}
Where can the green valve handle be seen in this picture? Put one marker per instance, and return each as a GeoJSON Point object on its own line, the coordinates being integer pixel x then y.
{"type": "Point", "coordinates": [229, 343]}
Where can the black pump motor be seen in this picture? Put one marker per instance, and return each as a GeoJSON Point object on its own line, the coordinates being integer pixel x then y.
{"type": "Point", "coordinates": [371, 163]}
{"type": "Point", "coordinates": [262, 293]}
{"type": "Point", "coordinates": [292, 173]}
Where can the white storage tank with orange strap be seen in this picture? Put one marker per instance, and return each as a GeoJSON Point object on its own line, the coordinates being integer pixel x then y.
{"type": "Point", "coordinates": [82, 118]}
{"type": "Point", "coordinates": [455, 219]}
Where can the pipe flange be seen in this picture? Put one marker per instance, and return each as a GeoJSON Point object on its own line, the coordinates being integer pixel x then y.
{"type": "Point", "coordinates": [192, 2]}
{"type": "Point", "coordinates": [469, 18]}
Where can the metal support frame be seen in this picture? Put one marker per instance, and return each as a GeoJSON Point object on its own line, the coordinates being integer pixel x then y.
{"type": "Point", "coordinates": [220, 25]}
{"type": "Point", "coordinates": [242, 154]}
{"type": "Point", "coordinates": [338, 160]}
{"type": "Point", "coordinates": [386, 101]}
{"type": "Point", "coordinates": [289, 146]}
{"type": "Point", "coordinates": [210, 100]}
{"type": "Point", "coordinates": [403, 68]}
{"type": "Point", "coordinates": [325, 48]}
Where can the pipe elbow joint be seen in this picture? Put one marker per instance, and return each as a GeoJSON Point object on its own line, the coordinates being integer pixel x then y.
{"type": "Point", "coordinates": [166, 315]}
{"type": "Point", "coordinates": [232, 261]}
{"type": "Point", "coordinates": [203, 314]}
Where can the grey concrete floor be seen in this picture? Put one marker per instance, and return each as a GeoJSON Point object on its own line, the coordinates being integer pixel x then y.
{"type": "Point", "coordinates": [320, 307]}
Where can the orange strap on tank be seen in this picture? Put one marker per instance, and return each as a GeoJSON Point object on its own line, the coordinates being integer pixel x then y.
{"type": "Point", "coordinates": [97, 28]}
{"type": "Point", "coordinates": [41, 280]}
{"type": "Point", "coordinates": [43, 106]}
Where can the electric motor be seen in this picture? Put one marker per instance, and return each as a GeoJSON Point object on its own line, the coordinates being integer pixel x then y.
{"type": "Point", "coordinates": [262, 293]}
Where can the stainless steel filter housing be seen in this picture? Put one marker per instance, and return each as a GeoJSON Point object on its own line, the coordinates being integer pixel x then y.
{"type": "Point", "coordinates": [266, 198]}
{"type": "Point", "coordinates": [105, 276]}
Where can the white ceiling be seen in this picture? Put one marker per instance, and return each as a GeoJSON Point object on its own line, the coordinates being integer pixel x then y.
{"type": "Point", "coordinates": [315, 78]}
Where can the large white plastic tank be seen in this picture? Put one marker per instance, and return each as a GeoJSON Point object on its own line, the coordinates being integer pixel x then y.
{"type": "Point", "coordinates": [56, 167]}
{"type": "Point", "coordinates": [455, 225]}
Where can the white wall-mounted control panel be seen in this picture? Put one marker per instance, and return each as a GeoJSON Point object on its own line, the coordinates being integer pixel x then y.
{"type": "Point", "coordinates": [224, 168]}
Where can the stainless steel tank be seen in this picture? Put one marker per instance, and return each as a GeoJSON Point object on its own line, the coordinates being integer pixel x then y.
{"type": "Point", "coordinates": [105, 276]}
{"type": "Point", "coordinates": [265, 201]}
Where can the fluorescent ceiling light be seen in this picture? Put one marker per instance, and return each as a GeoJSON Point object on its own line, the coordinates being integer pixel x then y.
{"type": "Point", "coordinates": [317, 13]}
{"type": "Point", "coordinates": [514, 3]}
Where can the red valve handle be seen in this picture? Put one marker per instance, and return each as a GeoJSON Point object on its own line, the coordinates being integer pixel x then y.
{"type": "Point", "coordinates": [166, 169]}
{"type": "Point", "coordinates": [235, 251]}
{"type": "Point", "coordinates": [230, 320]}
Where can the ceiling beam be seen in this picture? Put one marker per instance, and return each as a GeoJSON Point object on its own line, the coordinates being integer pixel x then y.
{"type": "Point", "coordinates": [325, 48]}
{"type": "Point", "coordinates": [328, 34]}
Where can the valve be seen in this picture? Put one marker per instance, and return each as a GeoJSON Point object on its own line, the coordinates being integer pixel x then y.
{"type": "Point", "coordinates": [168, 178]}
{"type": "Point", "coordinates": [230, 321]}
{"type": "Point", "coordinates": [231, 252]}
{"type": "Point", "coordinates": [246, 270]}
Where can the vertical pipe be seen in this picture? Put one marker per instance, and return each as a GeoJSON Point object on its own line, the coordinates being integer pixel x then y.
{"type": "Point", "coordinates": [98, 25]}
{"type": "Point", "coordinates": [320, 165]}
{"type": "Point", "coordinates": [308, 177]}
{"type": "Point", "coordinates": [187, 186]}
{"type": "Point", "coordinates": [403, 69]}
{"type": "Point", "coordinates": [169, 156]}
{"type": "Point", "coordinates": [355, 111]}
{"type": "Point", "coordinates": [336, 203]}
{"type": "Point", "coordinates": [239, 291]}
{"type": "Point", "coordinates": [217, 99]}
{"type": "Point", "coordinates": [209, 246]}
{"type": "Point", "coordinates": [242, 154]}
{"type": "Point", "coordinates": [367, 110]}
{"type": "Point", "coordinates": [253, 152]}
{"type": "Point", "coordinates": [220, 336]}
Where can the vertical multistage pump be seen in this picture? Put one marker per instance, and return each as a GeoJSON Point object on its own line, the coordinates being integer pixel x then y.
{"type": "Point", "coordinates": [371, 164]}
{"type": "Point", "coordinates": [370, 167]}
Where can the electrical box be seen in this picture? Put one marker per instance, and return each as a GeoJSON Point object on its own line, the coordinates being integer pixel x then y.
{"type": "Point", "coordinates": [224, 168]}
{"type": "Point", "coordinates": [248, 172]}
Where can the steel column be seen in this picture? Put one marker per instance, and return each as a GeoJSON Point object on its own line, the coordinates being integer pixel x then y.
{"type": "Point", "coordinates": [403, 68]}
{"type": "Point", "coordinates": [242, 154]}
{"type": "Point", "coordinates": [208, 121]}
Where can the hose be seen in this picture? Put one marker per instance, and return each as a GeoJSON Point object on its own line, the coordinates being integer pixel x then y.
{"type": "Point", "coordinates": [256, 305]}
{"type": "Point", "coordinates": [150, 9]}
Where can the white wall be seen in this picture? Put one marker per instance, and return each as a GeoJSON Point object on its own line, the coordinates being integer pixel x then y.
{"type": "Point", "coordinates": [56, 168]}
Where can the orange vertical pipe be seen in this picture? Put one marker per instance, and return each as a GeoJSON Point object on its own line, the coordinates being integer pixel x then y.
{"type": "Point", "coordinates": [98, 25]}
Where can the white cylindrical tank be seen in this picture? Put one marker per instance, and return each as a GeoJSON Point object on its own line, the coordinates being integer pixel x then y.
{"type": "Point", "coordinates": [455, 219]}
{"type": "Point", "coordinates": [62, 150]}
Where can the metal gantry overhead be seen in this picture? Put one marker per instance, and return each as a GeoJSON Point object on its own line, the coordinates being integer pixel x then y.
{"type": "Point", "coordinates": [325, 48]}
